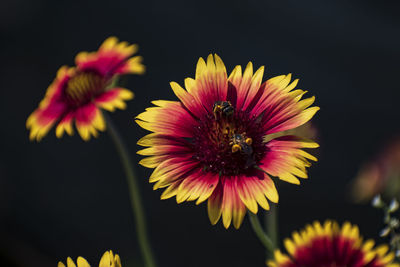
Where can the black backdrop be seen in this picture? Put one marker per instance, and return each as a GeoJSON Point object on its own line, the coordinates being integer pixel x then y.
{"type": "Point", "coordinates": [65, 197]}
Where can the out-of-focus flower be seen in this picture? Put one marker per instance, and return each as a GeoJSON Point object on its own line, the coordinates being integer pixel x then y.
{"type": "Point", "coordinates": [210, 144]}
{"type": "Point", "coordinates": [78, 92]}
{"type": "Point", "coordinates": [107, 260]}
{"type": "Point", "coordinates": [329, 245]}
{"type": "Point", "coordinates": [379, 176]}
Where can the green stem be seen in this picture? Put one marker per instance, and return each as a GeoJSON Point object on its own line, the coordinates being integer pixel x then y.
{"type": "Point", "coordinates": [134, 194]}
{"type": "Point", "coordinates": [258, 230]}
{"type": "Point", "coordinates": [271, 227]}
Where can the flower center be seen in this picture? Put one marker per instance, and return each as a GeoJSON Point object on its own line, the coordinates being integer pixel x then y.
{"type": "Point", "coordinates": [82, 87]}
{"type": "Point", "coordinates": [228, 141]}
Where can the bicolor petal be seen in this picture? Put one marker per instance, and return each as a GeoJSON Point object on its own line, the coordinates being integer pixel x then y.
{"type": "Point", "coordinates": [113, 57]}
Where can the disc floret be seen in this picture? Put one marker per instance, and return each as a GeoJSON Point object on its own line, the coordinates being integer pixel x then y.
{"type": "Point", "coordinates": [83, 87]}
{"type": "Point", "coordinates": [227, 141]}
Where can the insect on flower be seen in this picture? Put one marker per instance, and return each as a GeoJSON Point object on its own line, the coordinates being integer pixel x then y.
{"type": "Point", "coordinates": [210, 145]}
{"type": "Point", "coordinates": [222, 108]}
{"type": "Point", "coordinates": [240, 142]}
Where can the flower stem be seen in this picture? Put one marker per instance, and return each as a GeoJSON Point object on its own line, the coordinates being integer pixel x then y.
{"type": "Point", "coordinates": [134, 194]}
{"type": "Point", "coordinates": [258, 230]}
{"type": "Point", "coordinates": [271, 227]}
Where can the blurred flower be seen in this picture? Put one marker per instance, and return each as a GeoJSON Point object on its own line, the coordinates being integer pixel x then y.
{"type": "Point", "coordinates": [379, 176]}
{"type": "Point", "coordinates": [329, 245]}
{"type": "Point", "coordinates": [210, 144]}
{"type": "Point", "coordinates": [78, 92]}
{"type": "Point", "coordinates": [107, 260]}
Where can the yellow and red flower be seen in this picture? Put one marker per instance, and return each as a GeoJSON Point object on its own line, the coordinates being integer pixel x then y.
{"type": "Point", "coordinates": [211, 144]}
{"type": "Point", "coordinates": [107, 260]}
{"type": "Point", "coordinates": [329, 245]}
{"type": "Point", "coordinates": [77, 93]}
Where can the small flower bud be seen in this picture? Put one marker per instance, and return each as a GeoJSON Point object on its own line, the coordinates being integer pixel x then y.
{"type": "Point", "coordinates": [385, 231]}
{"type": "Point", "coordinates": [377, 202]}
{"type": "Point", "coordinates": [394, 205]}
{"type": "Point", "coordinates": [394, 223]}
{"type": "Point", "coordinates": [395, 241]}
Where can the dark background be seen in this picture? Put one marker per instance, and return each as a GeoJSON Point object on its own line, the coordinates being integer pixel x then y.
{"type": "Point", "coordinates": [65, 197]}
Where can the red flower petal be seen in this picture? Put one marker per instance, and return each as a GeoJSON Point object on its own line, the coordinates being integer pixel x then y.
{"type": "Point", "coordinates": [170, 118]}
{"type": "Point", "coordinates": [113, 98]}
{"type": "Point", "coordinates": [111, 58]}
{"type": "Point", "coordinates": [285, 158]}
{"type": "Point", "coordinates": [88, 120]}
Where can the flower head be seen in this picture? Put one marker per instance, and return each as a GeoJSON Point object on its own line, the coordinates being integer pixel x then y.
{"type": "Point", "coordinates": [107, 260]}
{"type": "Point", "coordinates": [78, 92]}
{"type": "Point", "coordinates": [211, 144]}
{"type": "Point", "coordinates": [329, 245]}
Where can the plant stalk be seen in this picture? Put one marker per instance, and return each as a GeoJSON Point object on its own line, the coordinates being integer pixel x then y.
{"type": "Point", "coordinates": [134, 194]}
{"type": "Point", "coordinates": [271, 227]}
{"type": "Point", "coordinates": [258, 230]}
